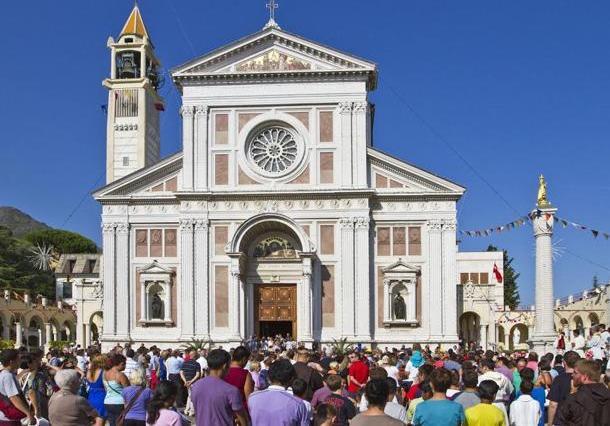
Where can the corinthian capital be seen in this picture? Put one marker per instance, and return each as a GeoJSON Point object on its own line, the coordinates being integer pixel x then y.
{"type": "Point", "coordinates": [434, 225]}
{"type": "Point", "coordinates": [201, 224]}
{"type": "Point", "coordinates": [187, 110]}
{"type": "Point", "coordinates": [122, 228]}
{"type": "Point", "coordinates": [360, 107]}
{"type": "Point", "coordinates": [201, 110]}
{"type": "Point", "coordinates": [362, 222]}
{"type": "Point", "coordinates": [186, 224]}
{"type": "Point", "coordinates": [347, 222]}
{"type": "Point", "coordinates": [344, 107]}
{"type": "Point", "coordinates": [108, 227]}
{"type": "Point", "coordinates": [449, 225]}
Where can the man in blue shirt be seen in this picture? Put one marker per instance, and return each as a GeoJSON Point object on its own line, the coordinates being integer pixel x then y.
{"type": "Point", "coordinates": [438, 410]}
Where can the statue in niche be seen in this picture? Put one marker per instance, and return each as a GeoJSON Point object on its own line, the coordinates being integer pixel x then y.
{"type": "Point", "coordinates": [516, 337]}
{"type": "Point", "coordinates": [156, 306]}
{"type": "Point", "coordinates": [400, 308]}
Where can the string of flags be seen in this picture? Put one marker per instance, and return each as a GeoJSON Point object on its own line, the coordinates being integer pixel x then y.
{"type": "Point", "coordinates": [517, 223]}
{"type": "Point", "coordinates": [565, 223]}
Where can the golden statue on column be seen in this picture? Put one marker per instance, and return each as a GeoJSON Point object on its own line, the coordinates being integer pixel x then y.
{"type": "Point", "coordinates": [543, 201]}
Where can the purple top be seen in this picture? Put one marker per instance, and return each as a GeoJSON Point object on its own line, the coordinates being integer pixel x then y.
{"type": "Point", "coordinates": [216, 400]}
{"type": "Point", "coordinates": [275, 406]}
{"type": "Point", "coordinates": [138, 409]}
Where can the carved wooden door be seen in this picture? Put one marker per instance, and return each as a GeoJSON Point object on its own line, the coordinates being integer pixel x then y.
{"type": "Point", "coordinates": [275, 303]}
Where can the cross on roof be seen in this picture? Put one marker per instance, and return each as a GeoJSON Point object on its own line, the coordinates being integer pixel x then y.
{"type": "Point", "coordinates": [272, 5]}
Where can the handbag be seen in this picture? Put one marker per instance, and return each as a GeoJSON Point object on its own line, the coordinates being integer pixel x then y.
{"type": "Point", "coordinates": [121, 420]}
{"type": "Point", "coordinates": [6, 406]}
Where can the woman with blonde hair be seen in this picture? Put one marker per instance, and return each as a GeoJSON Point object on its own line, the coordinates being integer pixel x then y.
{"type": "Point", "coordinates": [255, 370]}
{"type": "Point", "coordinates": [136, 397]}
{"type": "Point", "coordinates": [95, 384]}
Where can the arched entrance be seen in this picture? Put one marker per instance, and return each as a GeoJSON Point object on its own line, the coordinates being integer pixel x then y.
{"type": "Point", "coordinates": [519, 335]}
{"type": "Point", "coordinates": [34, 333]}
{"type": "Point", "coordinates": [470, 328]}
{"type": "Point", "coordinates": [578, 324]}
{"type": "Point", "coordinates": [501, 336]}
{"type": "Point", "coordinates": [96, 326]}
{"type": "Point", "coordinates": [270, 291]}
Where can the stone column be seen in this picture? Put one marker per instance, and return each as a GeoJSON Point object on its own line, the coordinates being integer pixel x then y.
{"type": "Point", "coordinates": [347, 163]}
{"type": "Point", "coordinates": [449, 280]}
{"type": "Point", "coordinates": [234, 301]}
{"type": "Point", "coordinates": [18, 334]}
{"type": "Point", "coordinates": [187, 147]}
{"type": "Point", "coordinates": [167, 312]}
{"type": "Point", "coordinates": [305, 322]}
{"type": "Point", "coordinates": [87, 341]}
{"type": "Point", "coordinates": [347, 278]}
{"type": "Point", "coordinates": [483, 335]}
{"type": "Point", "coordinates": [201, 148]}
{"type": "Point", "coordinates": [202, 284]}
{"type": "Point", "coordinates": [435, 314]}
{"type": "Point", "coordinates": [362, 279]}
{"type": "Point", "coordinates": [544, 332]}
{"type": "Point", "coordinates": [387, 297]}
{"type": "Point", "coordinates": [47, 335]}
{"type": "Point", "coordinates": [187, 319]}
{"type": "Point", "coordinates": [143, 302]}
{"type": "Point", "coordinates": [123, 308]}
{"type": "Point", "coordinates": [6, 330]}
{"type": "Point", "coordinates": [108, 278]}
{"type": "Point", "coordinates": [359, 144]}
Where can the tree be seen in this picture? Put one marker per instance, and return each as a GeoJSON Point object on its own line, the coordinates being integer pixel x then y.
{"type": "Point", "coordinates": [62, 241]}
{"type": "Point", "coordinates": [511, 288]}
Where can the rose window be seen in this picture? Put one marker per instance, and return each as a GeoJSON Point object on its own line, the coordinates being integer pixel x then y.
{"type": "Point", "coordinates": [274, 150]}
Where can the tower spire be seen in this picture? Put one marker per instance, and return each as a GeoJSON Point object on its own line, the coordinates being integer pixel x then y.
{"type": "Point", "coordinates": [272, 5]}
{"type": "Point", "coordinates": [135, 23]}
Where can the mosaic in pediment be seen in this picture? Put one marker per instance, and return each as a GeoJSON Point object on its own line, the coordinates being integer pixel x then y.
{"type": "Point", "coordinates": [273, 61]}
{"type": "Point", "coordinates": [274, 248]}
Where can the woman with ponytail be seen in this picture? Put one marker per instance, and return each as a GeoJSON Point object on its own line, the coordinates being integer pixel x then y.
{"type": "Point", "coordinates": [159, 413]}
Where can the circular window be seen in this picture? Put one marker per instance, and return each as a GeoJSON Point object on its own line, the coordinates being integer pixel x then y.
{"type": "Point", "coordinates": [274, 151]}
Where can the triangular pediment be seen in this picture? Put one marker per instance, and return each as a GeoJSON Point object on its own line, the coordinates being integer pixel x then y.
{"type": "Point", "coordinates": [159, 180]}
{"type": "Point", "coordinates": [155, 268]}
{"type": "Point", "coordinates": [272, 51]}
{"type": "Point", "coordinates": [400, 267]}
{"type": "Point", "coordinates": [390, 175]}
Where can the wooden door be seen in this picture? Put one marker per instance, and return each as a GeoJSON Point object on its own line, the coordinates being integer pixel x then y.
{"type": "Point", "coordinates": [275, 302]}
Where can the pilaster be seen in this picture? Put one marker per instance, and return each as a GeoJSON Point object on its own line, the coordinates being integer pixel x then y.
{"type": "Point", "coordinates": [187, 112]}
{"type": "Point", "coordinates": [347, 277]}
{"type": "Point", "coordinates": [345, 115]}
{"type": "Point", "coordinates": [123, 308]}
{"type": "Point", "coordinates": [435, 314]}
{"type": "Point", "coordinates": [359, 164]}
{"type": "Point", "coordinates": [108, 278]}
{"type": "Point", "coordinates": [306, 311]}
{"type": "Point", "coordinates": [449, 280]}
{"type": "Point", "coordinates": [362, 284]}
{"type": "Point", "coordinates": [235, 286]}
{"type": "Point", "coordinates": [186, 279]}
{"type": "Point", "coordinates": [202, 290]}
{"type": "Point", "coordinates": [201, 148]}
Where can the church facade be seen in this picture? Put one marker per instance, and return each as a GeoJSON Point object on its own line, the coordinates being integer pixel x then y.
{"type": "Point", "coordinates": [279, 215]}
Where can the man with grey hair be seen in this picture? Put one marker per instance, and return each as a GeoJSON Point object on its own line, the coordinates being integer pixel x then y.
{"type": "Point", "coordinates": [66, 408]}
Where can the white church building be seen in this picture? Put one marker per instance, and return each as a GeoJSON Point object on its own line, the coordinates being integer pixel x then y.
{"type": "Point", "coordinates": [278, 215]}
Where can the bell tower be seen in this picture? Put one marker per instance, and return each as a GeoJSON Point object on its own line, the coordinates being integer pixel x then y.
{"type": "Point", "coordinates": [133, 101]}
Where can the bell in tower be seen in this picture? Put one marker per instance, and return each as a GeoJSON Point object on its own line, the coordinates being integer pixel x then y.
{"type": "Point", "coordinates": [133, 100]}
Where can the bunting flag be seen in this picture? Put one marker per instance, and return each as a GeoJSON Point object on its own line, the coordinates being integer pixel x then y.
{"type": "Point", "coordinates": [517, 223]}
{"type": "Point", "coordinates": [497, 229]}
{"type": "Point", "coordinates": [565, 223]}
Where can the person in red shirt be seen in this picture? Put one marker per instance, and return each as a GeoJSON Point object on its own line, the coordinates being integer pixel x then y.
{"type": "Point", "coordinates": [357, 373]}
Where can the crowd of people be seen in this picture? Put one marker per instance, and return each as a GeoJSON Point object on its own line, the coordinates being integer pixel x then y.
{"type": "Point", "coordinates": [275, 381]}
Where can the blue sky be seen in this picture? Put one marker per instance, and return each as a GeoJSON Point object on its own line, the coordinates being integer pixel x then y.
{"type": "Point", "coordinates": [516, 88]}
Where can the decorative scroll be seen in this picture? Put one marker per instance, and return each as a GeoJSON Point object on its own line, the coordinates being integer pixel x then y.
{"type": "Point", "coordinates": [273, 61]}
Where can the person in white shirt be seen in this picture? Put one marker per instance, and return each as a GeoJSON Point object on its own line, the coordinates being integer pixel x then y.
{"type": "Point", "coordinates": [578, 344]}
{"type": "Point", "coordinates": [202, 361]}
{"type": "Point", "coordinates": [389, 367]}
{"type": "Point", "coordinates": [392, 408]}
{"type": "Point", "coordinates": [130, 364]}
{"type": "Point", "coordinates": [525, 410]}
{"type": "Point", "coordinates": [505, 386]}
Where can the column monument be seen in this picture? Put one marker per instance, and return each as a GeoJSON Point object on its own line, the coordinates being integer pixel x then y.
{"type": "Point", "coordinates": [543, 218]}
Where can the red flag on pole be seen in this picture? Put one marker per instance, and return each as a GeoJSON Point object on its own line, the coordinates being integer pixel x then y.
{"type": "Point", "coordinates": [497, 273]}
